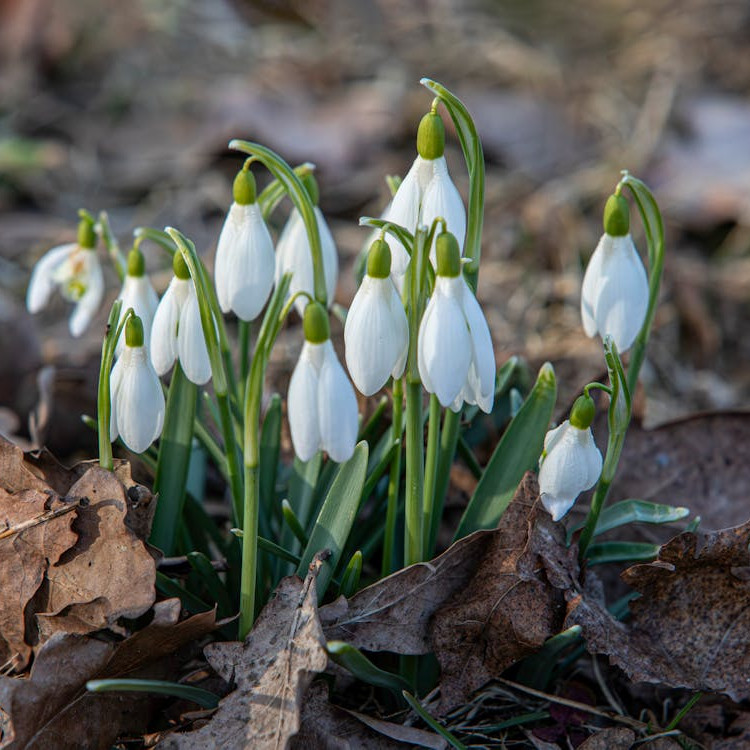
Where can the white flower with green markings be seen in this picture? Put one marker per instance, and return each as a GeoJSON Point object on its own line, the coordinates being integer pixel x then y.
{"type": "Point", "coordinates": [139, 294]}
{"type": "Point", "coordinates": [245, 260]}
{"type": "Point", "coordinates": [376, 333]}
{"type": "Point", "coordinates": [75, 270]}
{"type": "Point", "coordinates": [571, 463]}
{"type": "Point", "coordinates": [321, 403]}
{"type": "Point", "coordinates": [136, 396]}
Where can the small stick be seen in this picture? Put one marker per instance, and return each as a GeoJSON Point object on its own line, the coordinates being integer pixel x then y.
{"type": "Point", "coordinates": [43, 518]}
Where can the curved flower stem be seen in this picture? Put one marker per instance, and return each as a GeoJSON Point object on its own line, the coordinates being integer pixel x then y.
{"type": "Point", "coordinates": [394, 478]}
{"type": "Point", "coordinates": [430, 472]}
{"type": "Point", "coordinates": [297, 192]}
{"type": "Point", "coordinates": [112, 245]}
{"type": "Point", "coordinates": [103, 398]}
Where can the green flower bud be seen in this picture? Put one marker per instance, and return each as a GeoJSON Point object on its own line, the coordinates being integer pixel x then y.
{"type": "Point", "coordinates": [86, 233]}
{"type": "Point", "coordinates": [180, 268]}
{"type": "Point", "coordinates": [243, 189]}
{"type": "Point", "coordinates": [582, 413]}
{"type": "Point", "coordinates": [315, 323]}
{"type": "Point", "coordinates": [134, 331]}
{"type": "Point", "coordinates": [431, 136]}
{"type": "Point", "coordinates": [136, 263]}
{"type": "Point", "coordinates": [448, 255]}
{"type": "Point", "coordinates": [616, 216]}
{"type": "Point", "coordinates": [311, 185]}
{"type": "Point", "coordinates": [379, 260]}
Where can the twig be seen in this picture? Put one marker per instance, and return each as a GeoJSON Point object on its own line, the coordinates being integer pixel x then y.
{"type": "Point", "coordinates": [49, 515]}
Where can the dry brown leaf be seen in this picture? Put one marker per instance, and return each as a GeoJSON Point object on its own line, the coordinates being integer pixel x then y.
{"type": "Point", "coordinates": [52, 709]}
{"type": "Point", "coordinates": [613, 738]}
{"type": "Point", "coordinates": [272, 670]}
{"type": "Point", "coordinates": [690, 627]}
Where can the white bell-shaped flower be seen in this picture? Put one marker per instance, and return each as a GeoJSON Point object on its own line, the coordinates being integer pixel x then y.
{"type": "Point", "coordinates": [376, 333]}
{"type": "Point", "coordinates": [455, 356]}
{"type": "Point", "coordinates": [136, 396]}
{"type": "Point", "coordinates": [177, 331]}
{"type": "Point", "coordinates": [138, 293]}
{"type": "Point", "coordinates": [321, 403]}
{"type": "Point", "coordinates": [614, 296]}
{"type": "Point", "coordinates": [75, 269]}
{"type": "Point", "coordinates": [245, 261]}
{"type": "Point", "coordinates": [293, 252]}
{"type": "Point", "coordinates": [442, 200]}
{"type": "Point", "coordinates": [571, 462]}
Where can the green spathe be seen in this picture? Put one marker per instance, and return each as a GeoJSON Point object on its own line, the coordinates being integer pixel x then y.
{"type": "Point", "coordinates": [379, 260]}
{"type": "Point", "coordinates": [616, 216]}
{"type": "Point", "coordinates": [582, 413]}
{"type": "Point", "coordinates": [86, 233]}
{"type": "Point", "coordinates": [136, 263]}
{"type": "Point", "coordinates": [180, 267]}
{"type": "Point", "coordinates": [134, 331]}
{"type": "Point", "coordinates": [448, 255]}
{"type": "Point", "coordinates": [431, 136]}
{"type": "Point", "coordinates": [315, 323]}
{"type": "Point", "coordinates": [243, 189]}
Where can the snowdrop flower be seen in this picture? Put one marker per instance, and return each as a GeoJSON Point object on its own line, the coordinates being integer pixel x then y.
{"type": "Point", "coordinates": [177, 331]}
{"type": "Point", "coordinates": [245, 260]}
{"type": "Point", "coordinates": [614, 297]}
{"type": "Point", "coordinates": [138, 292]}
{"type": "Point", "coordinates": [571, 462]}
{"type": "Point", "coordinates": [376, 333]}
{"type": "Point", "coordinates": [425, 194]}
{"type": "Point", "coordinates": [293, 252]}
{"type": "Point", "coordinates": [76, 270]}
{"type": "Point", "coordinates": [321, 402]}
{"type": "Point", "coordinates": [137, 398]}
{"type": "Point", "coordinates": [455, 356]}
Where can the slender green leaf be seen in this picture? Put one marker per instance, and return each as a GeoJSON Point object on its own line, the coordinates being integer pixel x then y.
{"type": "Point", "coordinates": [350, 579]}
{"type": "Point", "coordinates": [431, 722]}
{"type": "Point", "coordinates": [536, 670]}
{"type": "Point", "coordinates": [270, 448]}
{"type": "Point", "coordinates": [203, 698]}
{"type": "Point", "coordinates": [336, 517]}
{"type": "Point", "coordinates": [633, 510]}
{"type": "Point", "coordinates": [517, 452]}
{"type": "Point", "coordinates": [190, 601]}
{"type": "Point", "coordinates": [201, 564]}
{"type": "Point", "coordinates": [352, 659]}
{"type": "Point", "coordinates": [402, 234]}
{"type": "Point", "coordinates": [293, 522]}
{"type": "Point", "coordinates": [174, 460]}
{"type": "Point", "coordinates": [605, 552]}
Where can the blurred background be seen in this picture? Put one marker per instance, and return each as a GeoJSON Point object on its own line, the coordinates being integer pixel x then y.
{"type": "Point", "coordinates": [128, 107]}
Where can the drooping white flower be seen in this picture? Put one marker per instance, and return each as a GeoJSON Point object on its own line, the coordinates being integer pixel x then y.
{"type": "Point", "coordinates": [321, 403]}
{"type": "Point", "coordinates": [245, 261]}
{"type": "Point", "coordinates": [455, 356]}
{"type": "Point", "coordinates": [614, 296]}
{"type": "Point", "coordinates": [138, 292]}
{"type": "Point", "coordinates": [136, 396]}
{"type": "Point", "coordinates": [177, 331]}
{"type": "Point", "coordinates": [293, 252]}
{"type": "Point", "coordinates": [376, 332]}
{"type": "Point", "coordinates": [571, 462]}
{"type": "Point", "coordinates": [442, 199]}
{"type": "Point", "coordinates": [75, 269]}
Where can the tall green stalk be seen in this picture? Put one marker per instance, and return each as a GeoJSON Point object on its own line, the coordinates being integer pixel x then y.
{"type": "Point", "coordinates": [430, 471]}
{"type": "Point", "coordinates": [394, 479]}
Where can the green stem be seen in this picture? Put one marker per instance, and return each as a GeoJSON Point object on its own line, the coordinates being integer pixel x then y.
{"type": "Point", "coordinates": [413, 537]}
{"type": "Point", "coordinates": [232, 455]}
{"type": "Point", "coordinates": [448, 444]}
{"type": "Point", "coordinates": [244, 328]}
{"type": "Point", "coordinates": [103, 398]}
{"type": "Point", "coordinates": [394, 479]}
{"type": "Point", "coordinates": [113, 247]}
{"type": "Point", "coordinates": [430, 472]}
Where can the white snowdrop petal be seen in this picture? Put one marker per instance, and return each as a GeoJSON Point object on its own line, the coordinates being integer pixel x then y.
{"type": "Point", "coordinates": [337, 408]}
{"type": "Point", "coordinates": [444, 345]}
{"type": "Point", "coordinates": [87, 307]}
{"type": "Point", "coordinates": [441, 198]}
{"type": "Point", "coordinates": [302, 404]}
{"type": "Point", "coordinates": [163, 346]}
{"type": "Point", "coordinates": [481, 376]}
{"type": "Point", "coordinates": [140, 402]}
{"type": "Point", "coordinates": [400, 331]}
{"type": "Point", "coordinates": [404, 210]}
{"type": "Point", "coordinates": [115, 378]}
{"type": "Point", "coordinates": [592, 280]}
{"type": "Point", "coordinates": [251, 266]}
{"type": "Point", "coordinates": [230, 239]}
{"type": "Point", "coordinates": [329, 254]}
{"type": "Point", "coordinates": [138, 292]}
{"type": "Point", "coordinates": [191, 343]}
{"type": "Point", "coordinates": [42, 280]}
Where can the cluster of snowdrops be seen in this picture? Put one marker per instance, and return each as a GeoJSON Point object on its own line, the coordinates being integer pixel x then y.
{"type": "Point", "coordinates": [414, 324]}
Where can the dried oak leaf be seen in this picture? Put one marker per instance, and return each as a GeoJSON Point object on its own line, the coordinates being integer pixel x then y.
{"type": "Point", "coordinates": [271, 669]}
{"type": "Point", "coordinates": [51, 707]}
{"type": "Point", "coordinates": [613, 738]}
{"type": "Point", "coordinates": [328, 727]}
{"type": "Point", "coordinates": [690, 626]}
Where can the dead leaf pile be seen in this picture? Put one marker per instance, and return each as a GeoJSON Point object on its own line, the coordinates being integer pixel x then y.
{"type": "Point", "coordinates": [70, 558]}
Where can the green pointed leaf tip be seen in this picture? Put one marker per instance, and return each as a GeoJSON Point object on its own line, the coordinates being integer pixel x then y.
{"type": "Point", "coordinates": [616, 216]}
{"type": "Point", "coordinates": [136, 263]}
{"type": "Point", "coordinates": [311, 186]}
{"type": "Point", "coordinates": [86, 233]}
{"type": "Point", "coordinates": [431, 136]}
{"type": "Point", "coordinates": [180, 266]}
{"type": "Point", "coordinates": [134, 331]}
{"type": "Point", "coordinates": [582, 413]}
{"type": "Point", "coordinates": [244, 188]}
{"type": "Point", "coordinates": [315, 323]}
{"type": "Point", "coordinates": [448, 255]}
{"type": "Point", "coordinates": [379, 260]}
